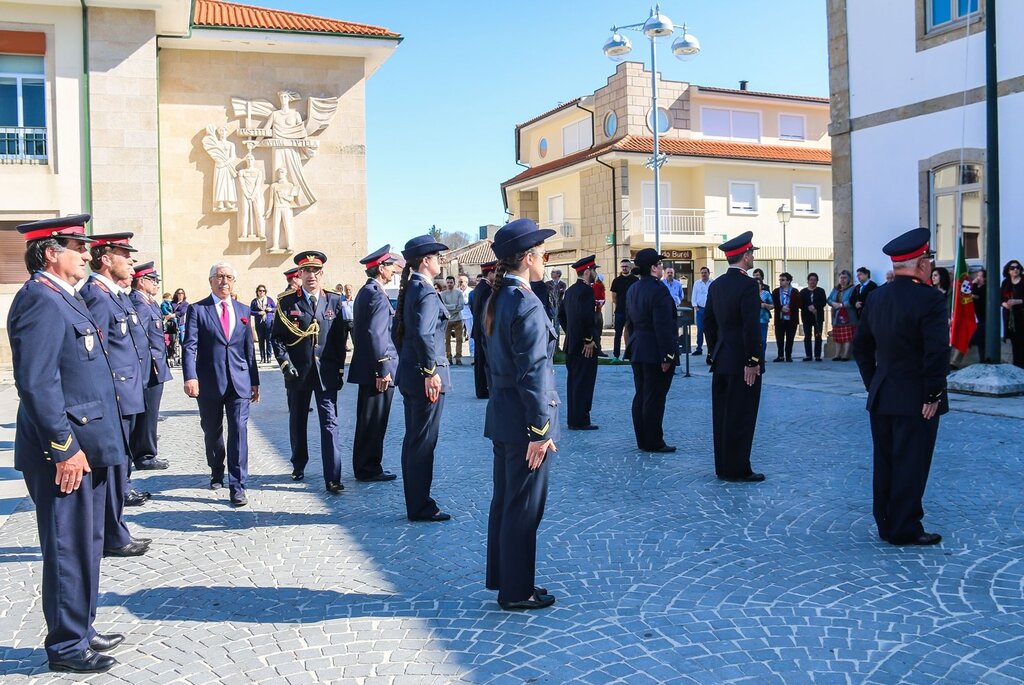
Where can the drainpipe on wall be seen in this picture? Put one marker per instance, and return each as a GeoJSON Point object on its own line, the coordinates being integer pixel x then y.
{"type": "Point", "coordinates": [159, 176]}
{"type": "Point", "coordinates": [993, 340]}
{"type": "Point", "coordinates": [86, 119]}
{"type": "Point", "coordinates": [615, 226]}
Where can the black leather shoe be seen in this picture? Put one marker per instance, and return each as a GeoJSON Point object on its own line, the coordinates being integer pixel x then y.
{"type": "Point", "coordinates": [750, 478]}
{"type": "Point", "coordinates": [134, 499]}
{"type": "Point", "coordinates": [922, 539]}
{"type": "Point", "coordinates": [151, 464]}
{"type": "Point", "coordinates": [86, 661]}
{"type": "Point", "coordinates": [698, 352]}
{"type": "Point", "coordinates": [380, 477]}
{"type": "Point", "coordinates": [216, 484]}
{"type": "Point", "coordinates": [143, 541]}
{"type": "Point", "coordinates": [298, 475]}
{"type": "Point", "coordinates": [105, 643]}
{"type": "Point", "coordinates": [779, 359]}
{"type": "Point", "coordinates": [590, 427]}
{"type": "Point", "coordinates": [238, 499]}
{"type": "Point", "coordinates": [437, 517]}
{"type": "Point", "coordinates": [335, 488]}
{"type": "Point", "coordinates": [663, 449]}
{"type": "Point", "coordinates": [808, 359]}
{"type": "Point", "coordinates": [535, 602]}
{"type": "Point", "coordinates": [132, 549]}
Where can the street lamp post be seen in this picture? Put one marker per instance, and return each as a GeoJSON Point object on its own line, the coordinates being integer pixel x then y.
{"type": "Point", "coordinates": [616, 48]}
{"type": "Point", "coordinates": [784, 214]}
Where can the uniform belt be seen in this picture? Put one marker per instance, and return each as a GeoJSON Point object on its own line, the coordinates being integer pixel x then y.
{"type": "Point", "coordinates": [504, 381]}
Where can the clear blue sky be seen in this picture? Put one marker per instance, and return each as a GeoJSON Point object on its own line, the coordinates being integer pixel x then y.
{"type": "Point", "coordinates": [441, 112]}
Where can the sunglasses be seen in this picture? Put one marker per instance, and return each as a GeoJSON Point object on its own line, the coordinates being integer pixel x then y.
{"type": "Point", "coordinates": [544, 256]}
{"type": "Point", "coordinates": [1013, 267]}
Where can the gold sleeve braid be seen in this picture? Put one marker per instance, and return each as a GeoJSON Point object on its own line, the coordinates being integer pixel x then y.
{"type": "Point", "coordinates": [299, 334]}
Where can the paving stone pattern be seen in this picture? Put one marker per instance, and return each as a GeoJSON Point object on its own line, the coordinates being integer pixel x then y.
{"type": "Point", "coordinates": [663, 574]}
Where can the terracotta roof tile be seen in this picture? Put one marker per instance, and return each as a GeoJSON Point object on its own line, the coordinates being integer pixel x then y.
{"type": "Point", "coordinates": [687, 148]}
{"type": "Point", "coordinates": [220, 14]}
{"type": "Point", "coordinates": [551, 111]}
{"type": "Point", "coordinates": [762, 94]}
{"type": "Point", "coordinates": [473, 254]}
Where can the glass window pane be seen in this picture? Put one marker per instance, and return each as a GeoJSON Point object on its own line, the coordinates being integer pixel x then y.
{"type": "Point", "coordinates": [942, 11]}
{"type": "Point", "coordinates": [585, 134]}
{"type": "Point", "coordinates": [743, 197]}
{"type": "Point", "coordinates": [662, 121]}
{"type": "Point", "coordinates": [611, 124]}
{"type": "Point", "coordinates": [970, 174]}
{"type": "Point", "coordinates": [791, 127]}
{"type": "Point", "coordinates": [945, 177]}
{"type": "Point", "coordinates": [21, 64]}
{"type": "Point", "coordinates": [570, 140]}
{"type": "Point", "coordinates": [805, 200]}
{"type": "Point", "coordinates": [746, 126]}
{"type": "Point", "coordinates": [965, 7]}
{"type": "Point", "coordinates": [945, 228]}
{"type": "Point", "coordinates": [715, 122]}
{"type": "Point", "coordinates": [8, 101]}
{"type": "Point", "coordinates": [33, 100]}
{"type": "Point", "coordinates": [970, 209]}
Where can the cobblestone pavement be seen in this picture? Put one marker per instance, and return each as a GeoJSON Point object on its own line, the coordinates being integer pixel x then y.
{"type": "Point", "coordinates": [663, 574]}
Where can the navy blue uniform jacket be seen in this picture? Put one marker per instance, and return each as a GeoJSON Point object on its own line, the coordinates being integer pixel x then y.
{"type": "Point", "coordinates": [153, 323]}
{"type": "Point", "coordinates": [130, 358]}
{"type": "Point", "coordinates": [732, 323]}
{"type": "Point", "coordinates": [902, 348]}
{"type": "Point", "coordinates": [327, 360]}
{"type": "Point", "coordinates": [524, 403]}
{"type": "Point", "coordinates": [651, 319]}
{"type": "Point", "coordinates": [576, 316]}
{"type": "Point", "coordinates": [64, 380]}
{"type": "Point", "coordinates": [373, 351]}
{"type": "Point", "coordinates": [213, 360]}
{"type": "Point", "coordinates": [422, 353]}
{"type": "Point", "coordinates": [481, 293]}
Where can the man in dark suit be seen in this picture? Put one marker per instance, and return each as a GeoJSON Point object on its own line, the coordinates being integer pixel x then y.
{"type": "Point", "coordinates": [219, 365]}
{"type": "Point", "coordinates": [652, 350]}
{"type": "Point", "coordinates": [787, 317]}
{"type": "Point", "coordinates": [576, 317]}
{"type": "Point", "coordinates": [69, 435]}
{"type": "Point", "coordinates": [812, 314]}
{"type": "Point", "coordinates": [865, 286]}
{"type": "Point", "coordinates": [374, 366]}
{"type": "Point", "coordinates": [732, 328]}
{"type": "Point", "coordinates": [309, 344]}
{"type": "Point", "coordinates": [130, 361]}
{"type": "Point", "coordinates": [143, 436]}
{"type": "Point", "coordinates": [481, 293]}
{"type": "Point", "coordinates": [902, 352]}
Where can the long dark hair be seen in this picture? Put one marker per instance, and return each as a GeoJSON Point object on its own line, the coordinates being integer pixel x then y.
{"type": "Point", "coordinates": [411, 265]}
{"type": "Point", "coordinates": [944, 280]}
{"type": "Point", "coordinates": [505, 265]}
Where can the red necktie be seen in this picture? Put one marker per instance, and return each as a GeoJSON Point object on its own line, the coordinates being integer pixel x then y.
{"type": "Point", "coordinates": [225, 320]}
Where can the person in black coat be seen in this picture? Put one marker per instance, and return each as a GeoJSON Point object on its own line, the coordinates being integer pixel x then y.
{"type": "Point", "coordinates": [902, 352]}
{"type": "Point", "coordinates": [143, 438]}
{"type": "Point", "coordinates": [69, 434]}
{"type": "Point", "coordinates": [865, 286]}
{"type": "Point", "coordinates": [423, 374]}
{"type": "Point", "coordinates": [374, 366]}
{"type": "Point", "coordinates": [481, 293]}
{"type": "Point", "coordinates": [652, 350]}
{"type": "Point", "coordinates": [812, 315]}
{"type": "Point", "coordinates": [732, 325]}
{"type": "Point", "coordinates": [309, 344]}
{"type": "Point", "coordinates": [522, 415]}
{"type": "Point", "coordinates": [576, 317]}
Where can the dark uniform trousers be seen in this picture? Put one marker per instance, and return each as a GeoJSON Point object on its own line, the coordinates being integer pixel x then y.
{"type": "Point", "coordinates": [118, 485]}
{"type": "Point", "coordinates": [517, 508]}
{"type": "Point", "coordinates": [480, 367]}
{"type": "Point", "coordinates": [142, 437]}
{"type": "Point", "coordinates": [71, 539]}
{"type": "Point", "coordinates": [211, 419]}
{"type": "Point", "coordinates": [299, 396]}
{"type": "Point", "coordinates": [581, 375]}
{"type": "Point", "coordinates": [903, 448]}
{"type": "Point", "coordinates": [734, 406]}
{"type": "Point", "coordinates": [651, 385]}
{"type": "Point", "coordinates": [373, 409]}
{"type": "Point", "coordinates": [422, 425]}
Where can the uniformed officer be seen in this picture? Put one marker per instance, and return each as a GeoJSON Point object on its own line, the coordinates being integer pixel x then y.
{"type": "Point", "coordinates": [311, 352]}
{"type": "Point", "coordinates": [374, 366]}
{"type": "Point", "coordinates": [423, 375]}
{"type": "Point", "coordinates": [293, 281]}
{"type": "Point", "coordinates": [576, 317]}
{"type": "Point", "coordinates": [143, 439]}
{"type": "Point", "coordinates": [732, 328]}
{"type": "Point", "coordinates": [902, 351]}
{"type": "Point", "coordinates": [522, 414]}
{"type": "Point", "coordinates": [69, 436]}
{"type": "Point", "coordinates": [652, 349]}
{"type": "Point", "coordinates": [481, 293]}
{"type": "Point", "coordinates": [130, 360]}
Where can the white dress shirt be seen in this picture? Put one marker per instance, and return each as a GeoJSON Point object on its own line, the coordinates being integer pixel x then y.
{"type": "Point", "coordinates": [231, 313]}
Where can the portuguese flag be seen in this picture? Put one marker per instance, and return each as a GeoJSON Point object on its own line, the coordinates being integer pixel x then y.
{"type": "Point", "coordinates": [964, 321]}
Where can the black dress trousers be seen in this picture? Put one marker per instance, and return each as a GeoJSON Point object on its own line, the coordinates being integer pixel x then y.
{"type": "Point", "coordinates": [517, 508]}
{"type": "Point", "coordinates": [581, 375]}
{"type": "Point", "coordinates": [117, 484]}
{"type": "Point", "coordinates": [373, 409]}
{"type": "Point", "coordinates": [651, 386]}
{"type": "Point", "coordinates": [903, 447]}
{"type": "Point", "coordinates": [480, 369]}
{"type": "Point", "coordinates": [422, 424]}
{"type": "Point", "coordinates": [734, 406]}
{"type": "Point", "coordinates": [142, 438]}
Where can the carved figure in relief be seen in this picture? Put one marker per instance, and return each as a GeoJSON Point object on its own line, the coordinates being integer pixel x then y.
{"type": "Point", "coordinates": [222, 151]}
{"type": "Point", "coordinates": [280, 212]}
{"type": "Point", "coordinates": [251, 206]}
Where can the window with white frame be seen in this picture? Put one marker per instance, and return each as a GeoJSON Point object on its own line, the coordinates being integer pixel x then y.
{"type": "Point", "coordinates": [946, 13]}
{"type": "Point", "coordinates": [556, 209]}
{"type": "Point", "coordinates": [792, 127]}
{"type": "Point", "coordinates": [742, 197]}
{"type": "Point", "coordinates": [806, 200]}
{"type": "Point", "coordinates": [734, 124]}
{"type": "Point", "coordinates": [22, 108]}
{"type": "Point", "coordinates": [577, 136]}
{"type": "Point", "coordinates": [956, 204]}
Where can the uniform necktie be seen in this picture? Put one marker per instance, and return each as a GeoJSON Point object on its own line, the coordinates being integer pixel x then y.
{"type": "Point", "coordinates": [312, 303]}
{"type": "Point", "coordinates": [225, 319]}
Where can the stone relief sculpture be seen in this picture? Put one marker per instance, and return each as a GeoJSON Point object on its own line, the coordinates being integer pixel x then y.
{"type": "Point", "coordinates": [222, 151]}
{"type": "Point", "coordinates": [251, 224]}
{"type": "Point", "coordinates": [280, 212]}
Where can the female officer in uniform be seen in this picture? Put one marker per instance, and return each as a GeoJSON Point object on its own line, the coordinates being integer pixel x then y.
{"type": "Point", "coordinates": [522, 414]}
{"type": "Point", "coordinates": [420, 321]}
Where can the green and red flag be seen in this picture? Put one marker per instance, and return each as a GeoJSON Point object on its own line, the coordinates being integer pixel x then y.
{"type": "Point", "coordinates": [964, 320]}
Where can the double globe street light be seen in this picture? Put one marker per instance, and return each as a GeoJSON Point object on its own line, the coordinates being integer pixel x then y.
{"type": "Point", "coordinates": [617, 48]}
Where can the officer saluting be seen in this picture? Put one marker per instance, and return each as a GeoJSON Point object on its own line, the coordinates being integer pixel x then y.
{"type": "Point", "coordinates": [576, 316]}
{"type": "Point", "coordinates": [69, 436]}
{"type": "Point", "coordinates": [143, 438]}
{"type": "Point", "coordinates": [374, 365]}
{"type": "Point", "coordinates": [481, 293]}
{"type": "Point", "coordinates": [732, 327]}
{"type": "Point", "coordinates": [652, 350]}
{"type": "Point", "coordinates": [311, 352]}
{"type": "Point", "coordinates": [902, 352]}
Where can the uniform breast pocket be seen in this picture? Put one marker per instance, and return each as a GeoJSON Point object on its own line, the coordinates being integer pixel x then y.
{"type": "Point", "coordinates": [124, 374]}
{"type": "Point", "coordinates": [120, 326]}
{"type": "Point", "coordinates": [87, 341]}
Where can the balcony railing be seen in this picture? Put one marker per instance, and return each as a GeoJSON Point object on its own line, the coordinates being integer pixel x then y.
{"type": "Point", "coordinates": [22, 145]}
{"type": "Point", "coordinates": [564, 228]}
{"type": "Point", "coordinates": [680, 225]}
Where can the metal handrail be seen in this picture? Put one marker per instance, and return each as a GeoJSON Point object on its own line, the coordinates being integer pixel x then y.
{"type": "Point", "coordinates": [22, 144]}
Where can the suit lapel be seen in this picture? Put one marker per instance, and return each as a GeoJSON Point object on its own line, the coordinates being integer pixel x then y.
{"type": "Point", "coordinates": [214, 312]}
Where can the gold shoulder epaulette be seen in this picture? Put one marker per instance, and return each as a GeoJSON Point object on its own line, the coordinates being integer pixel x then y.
{"type": "Point", "coordinates": [284, 294]}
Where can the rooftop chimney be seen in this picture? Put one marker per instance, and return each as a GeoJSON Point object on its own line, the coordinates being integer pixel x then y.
{"type": "Point", "coordinates": [743, 85]}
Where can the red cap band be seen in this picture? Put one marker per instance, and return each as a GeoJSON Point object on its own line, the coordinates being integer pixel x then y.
{"type": "Point", "coordinates": [310, 261]}
{"type": "Point", "coordinates": [99, 242]}
{"type": "Point", "coordinates": [487, 269]}
{"type": "Point", "coordinates": [144, 272]}
{"type": "Point", "coordinates": [62, 232]}
{"type": "Point", "coordinates": [583, 267]}
{"type": "Point", "coordinates": [739, 250]}
{"type": "Point", "coordinates": [910, 255]}
{"type": "Point", "coordinates": [387, 256]}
